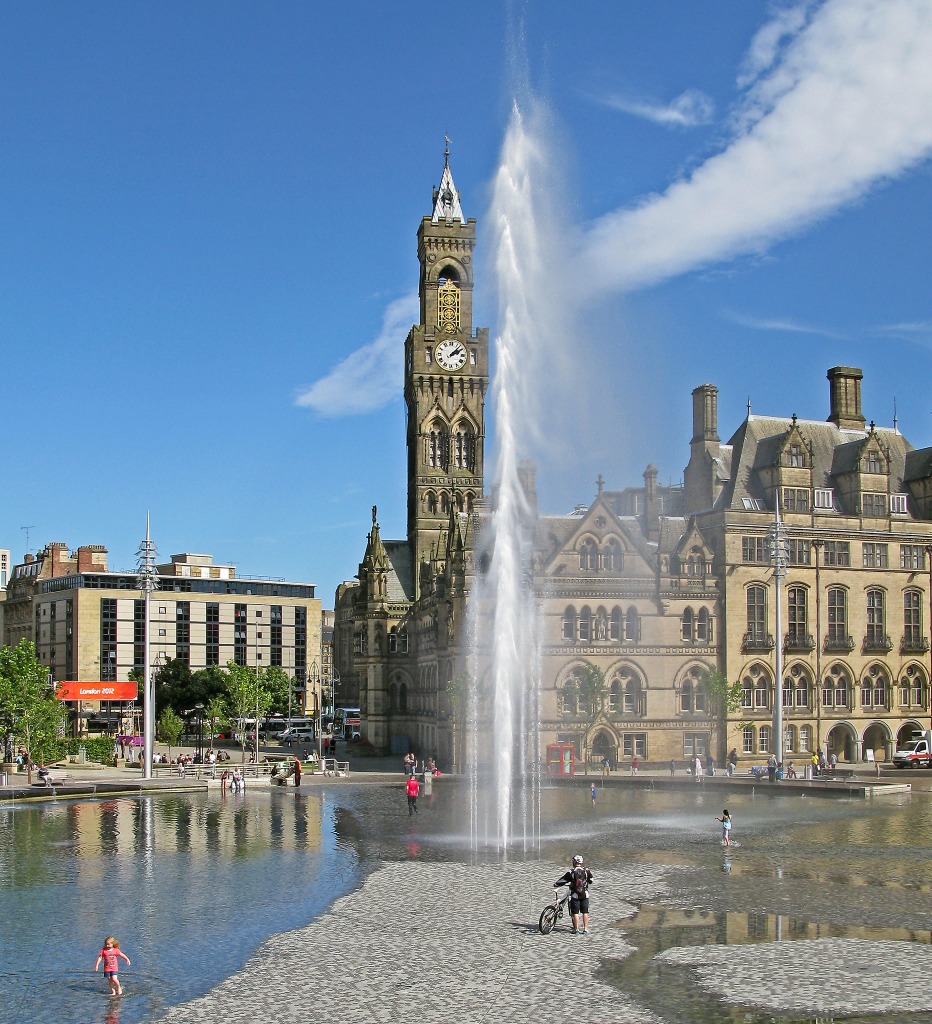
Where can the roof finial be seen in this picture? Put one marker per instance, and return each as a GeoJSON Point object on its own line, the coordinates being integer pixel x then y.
{"type": "Point", "coordinates": [600, 483]}
{"type": "Point", "coordinates": [446, 151]}
{"type": "Point", "coordinates": [375, 512]}
{"type": "Point", "coordinates": [749, 405]}
{"type": "Point", "coordinates": [895, 421]}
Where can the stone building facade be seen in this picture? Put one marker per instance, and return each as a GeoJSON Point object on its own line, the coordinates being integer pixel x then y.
{"type": "Point", "coordinates": [654, 587]}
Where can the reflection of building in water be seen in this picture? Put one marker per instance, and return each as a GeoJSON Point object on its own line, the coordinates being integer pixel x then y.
{"type": "Point", "coordinates": [167, 825]}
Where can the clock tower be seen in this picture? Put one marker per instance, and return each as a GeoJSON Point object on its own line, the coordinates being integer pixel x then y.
{"type": "Point", "coordinates": [446, 377]}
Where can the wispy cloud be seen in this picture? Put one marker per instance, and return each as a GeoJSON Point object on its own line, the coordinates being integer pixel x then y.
{"type": "Point", "coordinates": [689, 109]}
{"type": "Point", "coordinates": [765, 46]}
{"type": "Point", "coordinates": [783, 325]}
{"type": "Point", "coordinates": [371, 376]}
{"type": "Point", "coordinates": [917, 331]}
{"type": "Point", "coordinates": [843, 106]}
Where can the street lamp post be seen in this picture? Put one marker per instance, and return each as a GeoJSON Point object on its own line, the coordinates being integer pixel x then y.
{"type": "Point", "coordinates": [199, 708]}
{"type": "Point", "coordinates": [776, 538]}
{"type": "Point", "coordinates": [148, 581]}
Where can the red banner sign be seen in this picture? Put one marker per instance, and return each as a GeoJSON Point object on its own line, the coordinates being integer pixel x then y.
{"type": "Point", "coordinates": [97, 691]}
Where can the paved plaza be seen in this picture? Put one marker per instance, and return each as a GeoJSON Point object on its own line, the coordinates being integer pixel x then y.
{"type": "Point", "coordinates": [440, 943]}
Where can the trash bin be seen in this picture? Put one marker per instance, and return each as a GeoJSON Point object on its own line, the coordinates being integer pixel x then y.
{"type": "Point", "coordinates": [808, 773]}
{"type": "Point", "coordinates": [2, 778]}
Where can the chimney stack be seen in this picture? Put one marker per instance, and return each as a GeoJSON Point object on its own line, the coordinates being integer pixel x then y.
{"type": "Point", "coordinates": [845, 397]}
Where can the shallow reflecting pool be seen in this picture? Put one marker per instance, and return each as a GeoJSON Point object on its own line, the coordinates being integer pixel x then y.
{"type": "Point", "coordinates": [192, 884]}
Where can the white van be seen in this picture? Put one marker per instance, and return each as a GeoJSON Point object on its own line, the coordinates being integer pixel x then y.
{"type": "Point", "coordinates": [299, 734]}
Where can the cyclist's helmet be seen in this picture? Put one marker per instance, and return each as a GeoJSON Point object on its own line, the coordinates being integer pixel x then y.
{"type": "Point", "coordinates": [577, 859]}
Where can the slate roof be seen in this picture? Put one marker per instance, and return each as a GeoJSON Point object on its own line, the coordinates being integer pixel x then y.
{"type": "Point", "coordinates": [400, 581]}
{"type": "Point", "coordinates": [757, 442]}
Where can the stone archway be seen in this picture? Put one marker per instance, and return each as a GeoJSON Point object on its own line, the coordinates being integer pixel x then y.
{"type": "Point", "coordinates": [878, 741]}
{"type": "Point", "coordinates": [842, 740]}
{"type": "Point", "coordinates": [604, 745]}
{"type": "Point", "coordinates": [906, 732]}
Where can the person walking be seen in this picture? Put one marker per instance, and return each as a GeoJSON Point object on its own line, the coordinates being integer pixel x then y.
{"type": "Point", "coordinates": [634, 766]}
{"type": "Point", "coordinates": [297, 773]}
{"type": "Point", "coordinates": [725, 819]}
{"type": "Point", "coordinates": [593, 795]}
{"type": "Point", "coordinates": [697, 768]}
{"type": "Point", "coordinates": [110, 954]}
{"type": "Point", "coordinates": [578, 878]}
{"type": "Point", "coordinates": [732, 762]}
{"type": "Point", "coordinates": [412, 789]}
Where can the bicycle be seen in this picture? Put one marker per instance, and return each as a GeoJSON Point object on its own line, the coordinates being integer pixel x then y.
{"type": "Point", "coordinates": [553, 912]}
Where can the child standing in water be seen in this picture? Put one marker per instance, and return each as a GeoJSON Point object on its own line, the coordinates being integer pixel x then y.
{"type": "Point", "coordinates": [725, 819]}
{"type": "Point", "coordinates": [110, 954]}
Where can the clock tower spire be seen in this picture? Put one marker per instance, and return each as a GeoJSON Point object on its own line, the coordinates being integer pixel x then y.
{"type": "Point", "coordinates": [446, 377]}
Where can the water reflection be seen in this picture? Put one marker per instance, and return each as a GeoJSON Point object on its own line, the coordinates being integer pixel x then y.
{"type": "Point", "coordinates": [193, 883]}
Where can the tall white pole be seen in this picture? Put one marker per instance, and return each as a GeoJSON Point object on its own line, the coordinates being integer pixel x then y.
{"type": "Point", "coordinates": [776, 536]}
{"type": "Point", "coordinates": [148, 580]}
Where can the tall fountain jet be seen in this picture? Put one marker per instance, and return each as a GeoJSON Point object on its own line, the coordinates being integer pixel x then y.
{"type": "Point", "coordinates": [506, 628]}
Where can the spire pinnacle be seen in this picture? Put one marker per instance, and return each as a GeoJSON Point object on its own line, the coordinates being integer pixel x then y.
{"type": "Point", "coordinates": [446, 198]}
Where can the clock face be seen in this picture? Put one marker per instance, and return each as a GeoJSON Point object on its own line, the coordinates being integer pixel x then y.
{"type": "Point", "coordinates": [451, 355]}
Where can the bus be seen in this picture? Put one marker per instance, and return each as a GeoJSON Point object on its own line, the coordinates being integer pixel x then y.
{"type": "Point", "coordinates": [346, 721]}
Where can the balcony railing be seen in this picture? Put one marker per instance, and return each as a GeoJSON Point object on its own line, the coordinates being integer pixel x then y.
{"type": "Point", "coordinates": [839, 642]}
{"type": "Point", "coordinates": [914, 645]}
{"type": "Point", "coordinates": [799, 642]}
{"type": "Point", "coordinates": [877, 643]}
{"type": "Point", "coordinates": [758, 642]}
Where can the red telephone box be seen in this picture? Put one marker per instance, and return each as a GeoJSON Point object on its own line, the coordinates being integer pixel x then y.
{"type": "Point", "coordinates": [561, 760]}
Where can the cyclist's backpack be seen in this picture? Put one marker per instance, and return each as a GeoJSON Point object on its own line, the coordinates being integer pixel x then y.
{"type": "Point", "coordinates": [580, 881]}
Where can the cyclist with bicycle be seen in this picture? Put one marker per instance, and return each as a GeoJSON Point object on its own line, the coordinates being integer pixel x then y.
{"type": "Point", "coordinates": [578, 878]}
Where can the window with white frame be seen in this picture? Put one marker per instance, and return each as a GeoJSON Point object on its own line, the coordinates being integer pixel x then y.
{"type": "Point", "coordinates": [763, 739]}
{"type": "Point", "coordinates": [824, 497]}
{"type": "Point", "coordinates": [748, 736]}
{"type": "Point", "coordinates": [912, 556]}
{"type": "Point", "coordinates": [899, 504]}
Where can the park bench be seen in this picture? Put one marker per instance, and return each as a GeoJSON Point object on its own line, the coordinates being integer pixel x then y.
{"type": "Point", "coordinates": [53, 777]}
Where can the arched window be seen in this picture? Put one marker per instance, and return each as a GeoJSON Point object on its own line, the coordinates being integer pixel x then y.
{"type": "Point", "coordinates": [569, 623]}
{"type": "Point", "coordinates": [757, 681]}
{"type": "Point", "coordinates": [796, 688]}
{"type": "Point", "coordinates": [393, 697]}
{"type": "Point", "coordinates": [874, 688]}
{"type": "Point", "coordinates": [617, 624]}
{"type": "Point", "coordinates": [431, 503]}
{"type": "Point", "coordinates": [912, 620]}
{"type": "Point", "coordinates": [912, 687]}
{"type": "Point", "coordinates": [838, 617]}
{"type": "Point", "coordinates": [438, 446]}
{"type": "Point", "coordinates": [798, 625]}
{"type": "Point", "coordinates": [444, 503]}
{"type": "Point", "coordinates": [876, 618]}
{"type": "Point", "coordinates": [789, 738]}
{"type": "Point", "coordinates": [688, 625]}
{"type": "Point", "coordinates": [614, 692]}
{"type": "Point", "coordinates": [805, 739]}
{"type": "Point", "coordinates": [585, 624]}
{"type": "Point", "coordinates": [835, 687]}
{"type": "Point", "coordinates": [463, 448]}
{"type": "Point", "coordinates": [458, 497]}
{"type": "Point", "coordinates": [694, 697]}
{"type": "Point", "coordinates": [588, 556]}
{"type": "Point", "coordinates": [612, 557]}
{"type": "Point", "coordinates": [757, 614]}
{"type": "Point", "coordinates": [703, 627]}
{"type": "Point", "coordinates": [632, 626]}
{"type": "Point", "coordinates": [763, 739]}
{"type": "Point", "coordinates": [393, 640]}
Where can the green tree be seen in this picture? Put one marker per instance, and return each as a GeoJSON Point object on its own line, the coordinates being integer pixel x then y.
{"type": "Point", "coordinates": [216, 714]}
{"type": "Point", "coordinates": [590, 685]}
{"type": "Point", "coordinates": [725, 702]}
{"type": "Point", "coordinates": [278, 684]}
{"type": "Point", "coordinates": [246, 697]}
{"type": "Point", "coordinates": [29, 707]}
{"type": "Point", "coordinates": [168, 728]}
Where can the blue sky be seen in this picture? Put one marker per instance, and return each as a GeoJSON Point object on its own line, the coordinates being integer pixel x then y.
{"type": "Point", "coordinates": [209, 214]}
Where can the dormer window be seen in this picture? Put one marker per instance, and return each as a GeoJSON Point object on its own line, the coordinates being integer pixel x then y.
{"type": "Point", "coordinates": [795, 457]}
{"type": "Point", "coordinates": [824, 497]}
{"type": "Point", "coordinates": [898, 504]}
{"type": "Point", "coordinates": [873, 505]}
{"type": "Point", "coordinates": [753, 504]}
{"type": "Point", "coordinates": [874, 463]}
